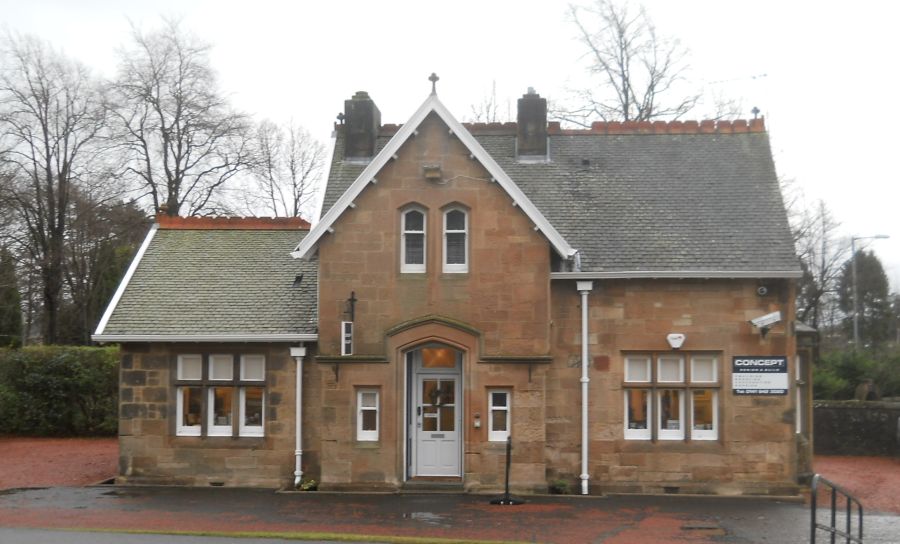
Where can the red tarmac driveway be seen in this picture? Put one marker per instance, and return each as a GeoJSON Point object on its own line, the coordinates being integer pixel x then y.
{"type": "Point", "coordinates": [75, 462]}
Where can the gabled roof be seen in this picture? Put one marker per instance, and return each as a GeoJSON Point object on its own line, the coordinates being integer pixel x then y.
{"type": "Point", "coordinates": [646, 200]}
{"type": "Point", "coordinates": [433, 104]}
{"type": "Point", "coordinates": [216, 280]}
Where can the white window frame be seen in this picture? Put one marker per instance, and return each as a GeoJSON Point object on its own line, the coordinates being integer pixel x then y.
{"type": "Point", "coordinates": [213, 358]}
{"type": "Point", "coordinates": [244, 359]}
{"type": "Point", "coordinates": [211, 428]}
{"type": "Point", "coordinates": [662, 432]}
{"type": "Point", "coordinates": [362, 435]}
{"type": "Point", "coordinates": [181, 361]}
{"type": "Point", "coordinates": [251, 430]}
{"type": "Point", "coordinates": [715, 367]}
{"type": "Point", "coordinates": [457, 268]}
{"type": "Point", "coordinates": [638, 434]}
{"type": "Point", "coordinates": [706, 434]}
{"type": "Point", "coordinates": [180, 429]}
{"type": "Point", "coordinates": [413, 267]}
{"type": "Point", "coordinates": [346, 338]}
{"type": "Point", "coordinates": [659, 364]}
{"type": "Point", "coordinates": [637, 358]}
{"type": "Point", "coordinates": [499, 435]}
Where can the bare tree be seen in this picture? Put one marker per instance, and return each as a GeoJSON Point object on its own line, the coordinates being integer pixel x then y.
{"type": "Point", "coordinates": [638, 72]}
{"type": "Point", "coordinates": [51, 121]}
{"type": "Point", "coordinates": [489, 109]}
{"type": "Point", "coordinates": [822, 256]}
{"type": "Point", "coordinates": [184, 140]}
{"type": "Point", "coordinates": [287, 168]}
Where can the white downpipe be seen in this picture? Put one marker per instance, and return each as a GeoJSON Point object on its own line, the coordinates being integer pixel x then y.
{"type": "Point", "coordinates": [298, 354]}
{"type": "Point", "coordinates": [584, 287]}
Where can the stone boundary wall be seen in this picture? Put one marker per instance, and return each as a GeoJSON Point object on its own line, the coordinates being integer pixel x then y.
{"type": "Point", "coordinates": [856, 428]}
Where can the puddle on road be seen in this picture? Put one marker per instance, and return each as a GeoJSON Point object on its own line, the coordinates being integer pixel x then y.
{"type": "Point", "coordinates": [426, 517]}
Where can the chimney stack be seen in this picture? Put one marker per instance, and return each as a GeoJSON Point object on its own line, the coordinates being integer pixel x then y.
{"type": "Point", "coordinates": [531, 138]}
{"type": "Point", "coordinates": [361, 123]}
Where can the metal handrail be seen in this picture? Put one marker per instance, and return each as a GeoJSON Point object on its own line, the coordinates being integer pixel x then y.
{"type": "Point", "coordinates": [831, 528]}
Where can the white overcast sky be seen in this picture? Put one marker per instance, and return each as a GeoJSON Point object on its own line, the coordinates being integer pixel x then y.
{"type": "Point", "coordinates": [823, 73]}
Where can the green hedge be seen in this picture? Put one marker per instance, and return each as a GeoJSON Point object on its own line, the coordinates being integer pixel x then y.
{"type": "Point", "coordinates": [59, 391]}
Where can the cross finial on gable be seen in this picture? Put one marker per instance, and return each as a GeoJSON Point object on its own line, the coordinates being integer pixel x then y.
{"type": "Point", "coordinates": [433, 78]}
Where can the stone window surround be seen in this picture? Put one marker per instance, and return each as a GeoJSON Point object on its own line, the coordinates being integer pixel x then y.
{"type": "Point", "coordinates": [686, 385]}
{"type": "Point", "coordinates": [206, 384]}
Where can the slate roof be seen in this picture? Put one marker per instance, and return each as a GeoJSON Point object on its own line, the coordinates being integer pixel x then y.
{"type": "Point", "coordinates": [219, 282]}
{"type": "Point", "coordinates": [700, 202]}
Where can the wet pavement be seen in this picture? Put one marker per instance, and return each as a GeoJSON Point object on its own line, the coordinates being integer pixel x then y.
{"type": "Point", "coordinates": [571, 519]}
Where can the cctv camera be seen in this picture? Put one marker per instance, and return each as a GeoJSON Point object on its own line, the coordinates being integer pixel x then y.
{"type": "Point", "coordinates": [765, 321]}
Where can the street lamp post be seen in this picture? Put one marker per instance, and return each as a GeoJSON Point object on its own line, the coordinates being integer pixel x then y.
{"type": "Point", "coordinates": [853, 240]}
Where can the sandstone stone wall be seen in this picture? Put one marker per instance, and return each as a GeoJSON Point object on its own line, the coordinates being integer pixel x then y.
{"type": "Point", "coordinates": [755, 452]}
{"type": "Point", "coordinates": [150, 452]}
{"type": "Point", "coordinates": [505, 293]}
{"type": "Point", "coordinates": [499, 308]}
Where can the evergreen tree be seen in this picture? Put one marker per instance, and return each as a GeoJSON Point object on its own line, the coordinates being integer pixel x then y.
{"type": "Point", "coordinates": [874, 304]}
{"type": "Point", "coordinates": [10, 301]}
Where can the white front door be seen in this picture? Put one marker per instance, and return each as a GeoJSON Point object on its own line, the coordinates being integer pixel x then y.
{"type": "Point", "coordinates": [436, 425]}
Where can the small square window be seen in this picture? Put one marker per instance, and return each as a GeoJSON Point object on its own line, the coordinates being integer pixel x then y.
{"type": "Point", "coordinates": [221, 367]}
{"type": "Point", "coordinates": [190, 367]}
{"type": "Point", "coordinates": [703, 369]}
{"type": "Point", "coordinates": [253, 368]}
{"type": "Point", "coordinates": [671, 369]}
{"type": "Point", "coordinates": [637, 369]}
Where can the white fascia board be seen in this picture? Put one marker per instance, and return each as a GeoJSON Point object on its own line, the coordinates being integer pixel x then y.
{"type": "Point", "coordinates": [553, 236]}
{"type": "Point", "coordinates": [678, 274]}
{"type": "Point", "coordinates": [110, 338]}
{"type": "Point", "coordinates": [124, 283]}
{"type": "Point", "coordinates": [304, 249]}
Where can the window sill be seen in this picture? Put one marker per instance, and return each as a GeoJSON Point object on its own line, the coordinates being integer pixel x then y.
{"type": "Point", "coordinates": [222, 442]}
{"type": "Point", "coordinates": [628, 445]}
{"type": "Point", "coordinates": [367, 445]}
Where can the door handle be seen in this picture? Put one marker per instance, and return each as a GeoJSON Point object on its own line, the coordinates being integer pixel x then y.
{"type": "Point", "coordinates": [418, 410]}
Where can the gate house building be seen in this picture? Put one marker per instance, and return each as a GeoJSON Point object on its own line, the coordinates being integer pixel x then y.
{"type": "Point", "coordinates": [589, 294]}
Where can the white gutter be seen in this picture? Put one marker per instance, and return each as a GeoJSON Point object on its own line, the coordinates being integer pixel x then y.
{"type": "Point", "coordinates": [128, 274]}
{"type": "Point", "coordinates": [584, 287]}
{"type": "Point", "coordinates": [298, 353]}
{"type": "Point", "coordinates": [289, 337]}
{"type": "Point", "coordinates": [676, 274]}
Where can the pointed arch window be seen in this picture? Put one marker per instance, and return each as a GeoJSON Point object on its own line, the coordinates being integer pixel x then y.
{"type": "Point", "coordinates": [456, 240]}
{"type": "Point", "coordinates": [412, 247]}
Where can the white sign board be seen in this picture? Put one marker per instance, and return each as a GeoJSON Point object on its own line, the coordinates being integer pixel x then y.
{"type": "Point", "coordinates": [754, 375]}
